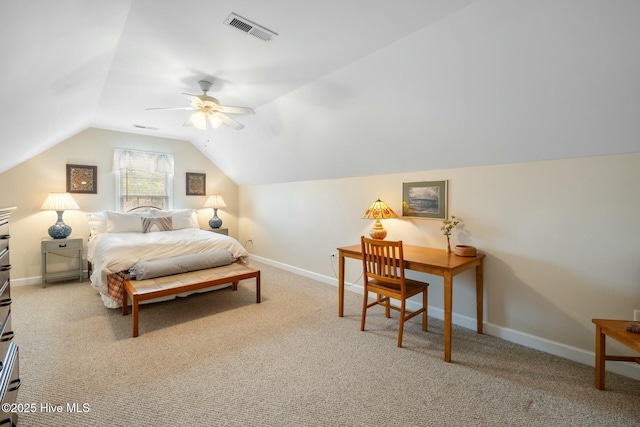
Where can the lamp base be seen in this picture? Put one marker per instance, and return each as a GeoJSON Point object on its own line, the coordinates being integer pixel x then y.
{"type": "Point", "coordinates": [215, 222]}
{"type": "Point", "coordinates": [377, 231]}
{"type": "Point", "coordinates": [59, 230]}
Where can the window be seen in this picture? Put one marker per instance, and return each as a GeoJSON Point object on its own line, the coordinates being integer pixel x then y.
{"type": "Point", "coordinates": [143, 179]}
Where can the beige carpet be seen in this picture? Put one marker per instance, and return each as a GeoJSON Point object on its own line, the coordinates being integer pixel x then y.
{"type": "Point", "coordinates": [219, 359]}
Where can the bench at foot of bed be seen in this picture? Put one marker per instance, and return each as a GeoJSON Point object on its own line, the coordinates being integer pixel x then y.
{"type": "Point", "coordinates": [142, 290]}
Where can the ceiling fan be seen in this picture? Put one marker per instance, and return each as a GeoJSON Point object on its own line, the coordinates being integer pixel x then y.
{"type": "Point", "coordinates": [208, 111]}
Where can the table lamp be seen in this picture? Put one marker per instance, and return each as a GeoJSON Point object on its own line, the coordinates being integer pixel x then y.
{"type": "Point", "coordinates": [215, 202]}
{"type": "Point", "coordinates": [59, 202]}
{"type": "Point", "coordinates": [378, 210]}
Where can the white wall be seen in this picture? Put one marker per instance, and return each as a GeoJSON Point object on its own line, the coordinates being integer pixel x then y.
{"type": "Point", "coordinates": [561, 239]}
{"type": "Point", "coordinates": [28, 184]}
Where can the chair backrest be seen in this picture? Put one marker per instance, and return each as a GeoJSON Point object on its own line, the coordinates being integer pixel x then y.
{"type": "Point", "coordinates": [383, 260]}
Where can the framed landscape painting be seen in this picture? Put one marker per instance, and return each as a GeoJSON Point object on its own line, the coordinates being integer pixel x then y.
{"type": "Point", "coordinates": [424, 199]}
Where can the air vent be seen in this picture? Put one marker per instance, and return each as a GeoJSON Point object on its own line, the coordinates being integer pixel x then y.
{"type": "Point", "coordinates": [248, 27]}
{"type": "Point", "coordinates": [144, 127]}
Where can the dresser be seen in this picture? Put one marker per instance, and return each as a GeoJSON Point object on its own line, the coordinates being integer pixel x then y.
{"type": "Point", "coordinates": [9, 372]}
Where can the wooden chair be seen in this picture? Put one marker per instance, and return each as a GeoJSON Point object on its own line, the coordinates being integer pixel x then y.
{"type": "Point", "coordinates": [383, 270]}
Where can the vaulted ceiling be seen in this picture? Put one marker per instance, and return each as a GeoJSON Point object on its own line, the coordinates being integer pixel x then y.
{"type": "Point", "coordinates": [346, 88]}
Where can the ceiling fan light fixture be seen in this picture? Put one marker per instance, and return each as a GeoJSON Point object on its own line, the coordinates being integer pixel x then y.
{"type": "Point", "coordinates": [209, 114]}
{"type": "Point", "coordinates": [197, 120]}
{"type": "Point", "coordinates": [214, 121]}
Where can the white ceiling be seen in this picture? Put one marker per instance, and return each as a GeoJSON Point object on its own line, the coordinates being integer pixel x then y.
{"type": "Point", "coordinates": [348, 88]}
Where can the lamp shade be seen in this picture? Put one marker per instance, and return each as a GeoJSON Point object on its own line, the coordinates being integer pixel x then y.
{"type": "Point", "coordinates": [59, 202]}
{"type": "Point", "coordinates": [215, 201]}
{"type": "Point", "coordinates": [378, 210]}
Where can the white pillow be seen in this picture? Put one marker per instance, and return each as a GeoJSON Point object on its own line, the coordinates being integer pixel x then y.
{"type": "Point", "coordinates": [98, 222]}
{"type": "Point", "coordinates": [180, 218]}
{"type": "Point", "coordinates": [120, 222]}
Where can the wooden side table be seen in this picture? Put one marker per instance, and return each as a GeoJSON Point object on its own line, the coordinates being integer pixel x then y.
{"type": "Point", "coordinates": [615, 329]}
{"type": "Point", "coordinates": [64, 247]}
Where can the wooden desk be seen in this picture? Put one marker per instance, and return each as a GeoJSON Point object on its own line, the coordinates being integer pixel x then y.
{"type": "Point", "coordinates": [615, 329]}
{"type": "Point", "coordinates": [432, 261]}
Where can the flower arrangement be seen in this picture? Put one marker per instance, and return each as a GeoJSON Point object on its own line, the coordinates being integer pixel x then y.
{"type": "Point", "coordinates": [447, 226]}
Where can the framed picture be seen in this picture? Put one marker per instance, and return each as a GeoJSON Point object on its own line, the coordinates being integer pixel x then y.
{"type": "Point", "coordinates": [82, 179]}
{"type": "Point", "coordinates": [196, 184]}
{"type": "Point", "coordinates": [425, 199]}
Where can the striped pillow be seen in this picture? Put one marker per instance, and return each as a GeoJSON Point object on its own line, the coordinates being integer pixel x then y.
{"type": "Point", "coordinates": [162, 223]}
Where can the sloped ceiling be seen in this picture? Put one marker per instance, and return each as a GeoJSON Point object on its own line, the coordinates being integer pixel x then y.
{"type": "Point", "coordinates": [348, 88]}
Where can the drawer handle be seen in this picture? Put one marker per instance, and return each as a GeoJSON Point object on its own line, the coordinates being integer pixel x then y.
{"type": "Point", "coordinates": [5, 236]}
{"type": "Point", "coordinates": [61, 245]}
{"type": "Point", "coordinates": [18, 383]}
{"type": "Point", "coordinates": [5, 267]}
{"type": "Point", "coordinates": [5, 302]}
{"type": "Point", "coordinates": [7, 336]}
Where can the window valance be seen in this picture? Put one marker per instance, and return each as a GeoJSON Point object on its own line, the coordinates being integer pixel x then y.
{"type": "Point", "coordinates": [143, 161]}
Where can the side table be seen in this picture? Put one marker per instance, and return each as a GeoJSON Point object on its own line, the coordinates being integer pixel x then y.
{"type": "Point", "coordinates": [224, 231]}
{"type": "Point", "coordinates": [64, 247]}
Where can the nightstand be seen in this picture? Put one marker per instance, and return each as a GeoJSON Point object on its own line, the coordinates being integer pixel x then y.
{"type": "Point", "coordinates": [224, 231]}
{"type": "Point", "coordinates": [70, 248]}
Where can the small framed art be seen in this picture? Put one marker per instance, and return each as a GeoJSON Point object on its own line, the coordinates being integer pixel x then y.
{"type": "Point", "coordinates": [196, 184]}
{"type": "Point", "coordinates": [82, 179]}
{"type": "Point", "coordinates": [425, 199]}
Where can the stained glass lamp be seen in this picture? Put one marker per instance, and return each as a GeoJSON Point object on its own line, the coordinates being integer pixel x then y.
{"type": "Point", "coordinates": [378, 210]}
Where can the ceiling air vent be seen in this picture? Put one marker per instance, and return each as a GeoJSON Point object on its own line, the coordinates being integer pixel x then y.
{"type": "Point", "coordinates": [144, 127]}
{"type": "Point", "coordinates": [251, 28]}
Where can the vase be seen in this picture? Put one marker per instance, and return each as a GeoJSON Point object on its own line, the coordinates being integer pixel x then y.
{"type": "Point", "coordinates": [448, 250]}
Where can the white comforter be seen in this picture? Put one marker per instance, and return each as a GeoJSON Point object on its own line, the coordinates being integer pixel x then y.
{"type": "Point", "coordinates": [113, 252]}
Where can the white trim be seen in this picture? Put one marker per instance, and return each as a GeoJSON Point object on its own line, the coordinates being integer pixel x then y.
{"type": "Point", "coordinates": [542, 344]}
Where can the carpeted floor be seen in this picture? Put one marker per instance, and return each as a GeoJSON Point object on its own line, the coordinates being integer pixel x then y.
{"type": "Point", "coordinates": [219, 359]}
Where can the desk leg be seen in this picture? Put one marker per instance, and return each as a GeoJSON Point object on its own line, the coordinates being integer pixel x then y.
{"type": "Point", "coordinates": [600, 357]}
{"type": "Point", "coordinates": [340, 285]}
{"type": "Point", "coordinates": [448, 298]}
{"type": "Point", "coordinates": [479, 296]}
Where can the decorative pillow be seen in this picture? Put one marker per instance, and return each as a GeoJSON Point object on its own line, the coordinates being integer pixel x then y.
{"type": "Point", "coordinates": [162, 223]}
{"type": "Point", "coordinates": [120, 222]}
{"type": "Point", "coordinates": [98, 222]}
{"type": "Point", "coordinates": [182, 218]}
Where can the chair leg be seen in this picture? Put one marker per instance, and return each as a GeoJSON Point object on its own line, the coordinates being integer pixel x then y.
{"type": "Point", "coordinates": [364, 308]}
{"type": "Point", "coordinates": [387, 306]}
{"type": "Point", "coordinates": [401, 327]}
{"type": "Point", "coordinates": [425, 300]}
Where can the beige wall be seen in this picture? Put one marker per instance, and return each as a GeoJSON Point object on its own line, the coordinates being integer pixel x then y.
{"type": "Point", "coordinates": [28, 184]}
{"type": "Point", "coordinates": [561, 239]}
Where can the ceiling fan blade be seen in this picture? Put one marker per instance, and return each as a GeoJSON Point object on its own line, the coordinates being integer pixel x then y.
{"type": "Point", "coordinates": [229, 121]}
{"type": "Point", "coordinates": [235, 110]}
{"type": "Point", "coordinates": [171, 108]}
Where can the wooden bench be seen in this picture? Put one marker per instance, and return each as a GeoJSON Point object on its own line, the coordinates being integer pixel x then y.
{"type": "Point", "coordinates": [615, 329]}
{"type": "Point", "coordinates": [143, 290]}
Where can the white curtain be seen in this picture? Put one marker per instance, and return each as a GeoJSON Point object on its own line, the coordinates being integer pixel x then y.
{"type": "Point", "coordinates": [143, 161]}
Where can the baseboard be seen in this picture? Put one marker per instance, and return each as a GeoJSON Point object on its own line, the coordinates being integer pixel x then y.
{"type": "Point", "coordinates": [552, 347]}
{"type": "Point", "coordinates": [37, 280]}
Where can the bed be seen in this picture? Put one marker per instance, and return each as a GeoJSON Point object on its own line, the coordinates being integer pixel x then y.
{"type": "Point", "coordinates": [121, 241]}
